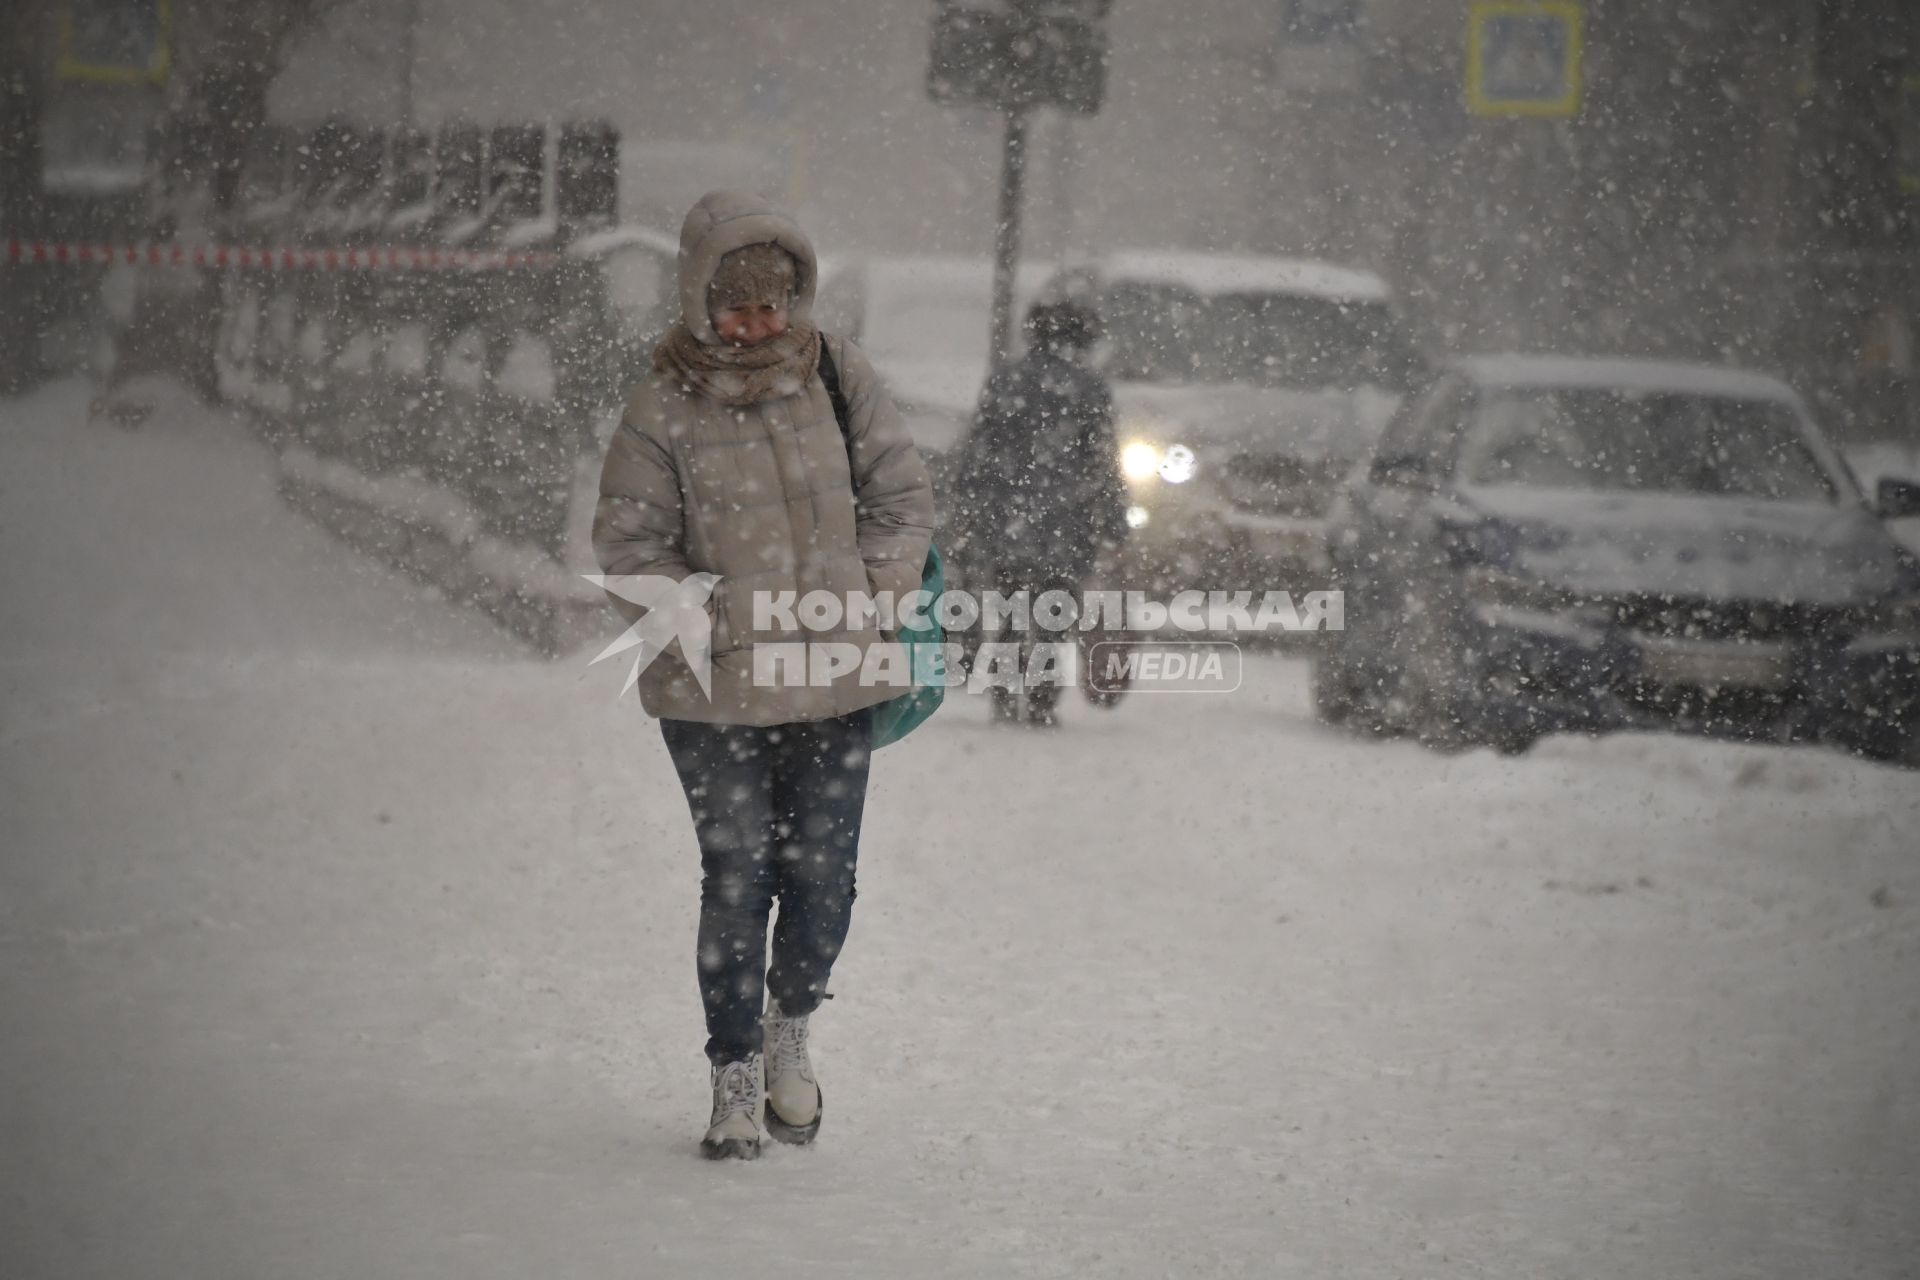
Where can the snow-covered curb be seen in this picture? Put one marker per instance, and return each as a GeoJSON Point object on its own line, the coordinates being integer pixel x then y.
{"type": "Point", "coordinates": [436, 535]}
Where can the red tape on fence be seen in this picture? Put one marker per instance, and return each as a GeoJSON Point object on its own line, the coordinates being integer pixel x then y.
{"type": "Point", "coordinates": [76, 253]}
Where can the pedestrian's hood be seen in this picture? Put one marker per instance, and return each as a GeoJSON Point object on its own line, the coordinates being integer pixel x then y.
{"type": "Point", "coordinates": [719, 223]}
{"type": "Point", "coordinates": [1695, 546]}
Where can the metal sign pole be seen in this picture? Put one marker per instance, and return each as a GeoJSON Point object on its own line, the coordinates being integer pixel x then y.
{"type": "Point", "coordinates": [1006, 236]}
{"type": "Point", "coordinates": [409, 41]}
{"type": "Point", "coordinates": [1015, 57]}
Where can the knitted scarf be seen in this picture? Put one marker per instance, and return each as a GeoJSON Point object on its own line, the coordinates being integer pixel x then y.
{"type": "Point", "coordinates": [737, 376]}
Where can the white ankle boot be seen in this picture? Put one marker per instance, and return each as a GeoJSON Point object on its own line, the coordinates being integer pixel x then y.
{"type": "Point", "coordinates": [793, 1096]}
{"type": "Point", "coordinates": [739, 1110]}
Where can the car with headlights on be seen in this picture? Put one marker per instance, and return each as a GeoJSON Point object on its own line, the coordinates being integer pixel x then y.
{"type": "Point", "coordinates": [1245, 387]}
{"type": "Point", "coordinates": [1543, 543]}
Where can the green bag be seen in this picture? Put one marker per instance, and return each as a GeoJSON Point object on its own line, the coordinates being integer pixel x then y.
{"type": "Point", "coordinates": [897, 717]}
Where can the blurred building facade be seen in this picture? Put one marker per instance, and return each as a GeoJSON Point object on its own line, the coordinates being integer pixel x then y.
{"type": "Point", "coordinates": [1730, 187]}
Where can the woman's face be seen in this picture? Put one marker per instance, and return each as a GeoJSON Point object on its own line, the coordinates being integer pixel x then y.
{"type": "Point", "coordinates": [750, 324]}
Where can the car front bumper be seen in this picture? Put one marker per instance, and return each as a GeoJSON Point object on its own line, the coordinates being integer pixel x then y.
{"type": "Point", "coordinates": [1549, 672]}
{"type": "Point", "coordinates": [1193, 540]}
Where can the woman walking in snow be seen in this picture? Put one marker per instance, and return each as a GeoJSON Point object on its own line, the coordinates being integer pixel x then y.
{"type": "Point", "coordinates": [730, 461]}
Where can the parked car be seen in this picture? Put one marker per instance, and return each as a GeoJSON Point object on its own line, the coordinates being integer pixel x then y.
{"type": "Point", "coordinates": [1546, 543]}
{"type": "Point", "coordinates": [1246, 387]}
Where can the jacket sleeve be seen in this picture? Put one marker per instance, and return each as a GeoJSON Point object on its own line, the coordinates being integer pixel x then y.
{"type": "Point", "coordinates": [639, 523]}
{"type": "Point", "coordinates": [892, 495]}
{"type": "Point", "coordinates": [976, 487]}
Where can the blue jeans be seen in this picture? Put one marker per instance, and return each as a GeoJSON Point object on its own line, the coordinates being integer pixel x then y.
{"type": "Point", "coordinates": [777, 813]}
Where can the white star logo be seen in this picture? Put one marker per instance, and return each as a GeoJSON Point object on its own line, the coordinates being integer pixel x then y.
{"type": "Point", "coordinates": [675, 611]}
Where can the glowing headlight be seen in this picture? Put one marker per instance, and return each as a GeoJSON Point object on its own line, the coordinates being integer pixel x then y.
{"type": "Point", "coordinates": [1139, 460]}
{"type": "Point", "coordinates": [1143, 460]}
{"type": "Point", "coordinates": [1177, 464]}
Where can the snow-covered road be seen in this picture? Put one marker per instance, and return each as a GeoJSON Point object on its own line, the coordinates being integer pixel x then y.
{"type": "Point", "coordinates": [340, 938]}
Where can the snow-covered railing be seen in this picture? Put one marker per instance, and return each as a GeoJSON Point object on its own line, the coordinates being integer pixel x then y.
{"type": "Point", "coordinates": [397, 396]}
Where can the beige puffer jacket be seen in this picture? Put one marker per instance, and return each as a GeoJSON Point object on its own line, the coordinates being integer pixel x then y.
{"type": "Point", "coordinates": [762, 495]}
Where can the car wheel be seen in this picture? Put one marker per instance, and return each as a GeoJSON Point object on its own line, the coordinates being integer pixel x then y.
{"type": "Point", "coordinates": [1344, 696]}
{"type": "Point", "coordinates": [1514, 742]}
{"type": "Point", "coordinates": [1432, 717]}
{"type": "Point", "coordinates": [1425, 700]}
{"type": "Point", "coordinates": [1440, 716]}
{"type": "Point", "coordinates": [1437, 695]}
{"type": "Point", "coordinates": [1892, 744]}
{"type": "Point", "coordinates": [1331, 684]}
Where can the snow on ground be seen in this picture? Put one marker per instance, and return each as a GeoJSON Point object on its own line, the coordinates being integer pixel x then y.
{"type": "Point", "coordinates": [339, 938]}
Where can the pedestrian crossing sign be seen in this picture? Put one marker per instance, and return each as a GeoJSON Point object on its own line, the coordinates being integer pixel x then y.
{"type": "Point", "coordinates": [1523, 57]}
{"type": "Point", "coordinates": [114, 41]}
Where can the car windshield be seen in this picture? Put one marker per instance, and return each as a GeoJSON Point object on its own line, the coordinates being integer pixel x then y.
{"type": "Point", "coordinates": [1162, 333]}
{"type": "Point", "coordinates": [1655, 442]}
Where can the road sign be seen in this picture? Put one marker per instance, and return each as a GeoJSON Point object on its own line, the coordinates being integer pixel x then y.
{"type": "Point", "coordinates": [1013, 57]}
{"type": "Point", "coordinates": [1017, 60]}
{"type": "Point", "coordinates": [115, 41]}
{"type": "Point", "coordinates": [1523, 58]}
